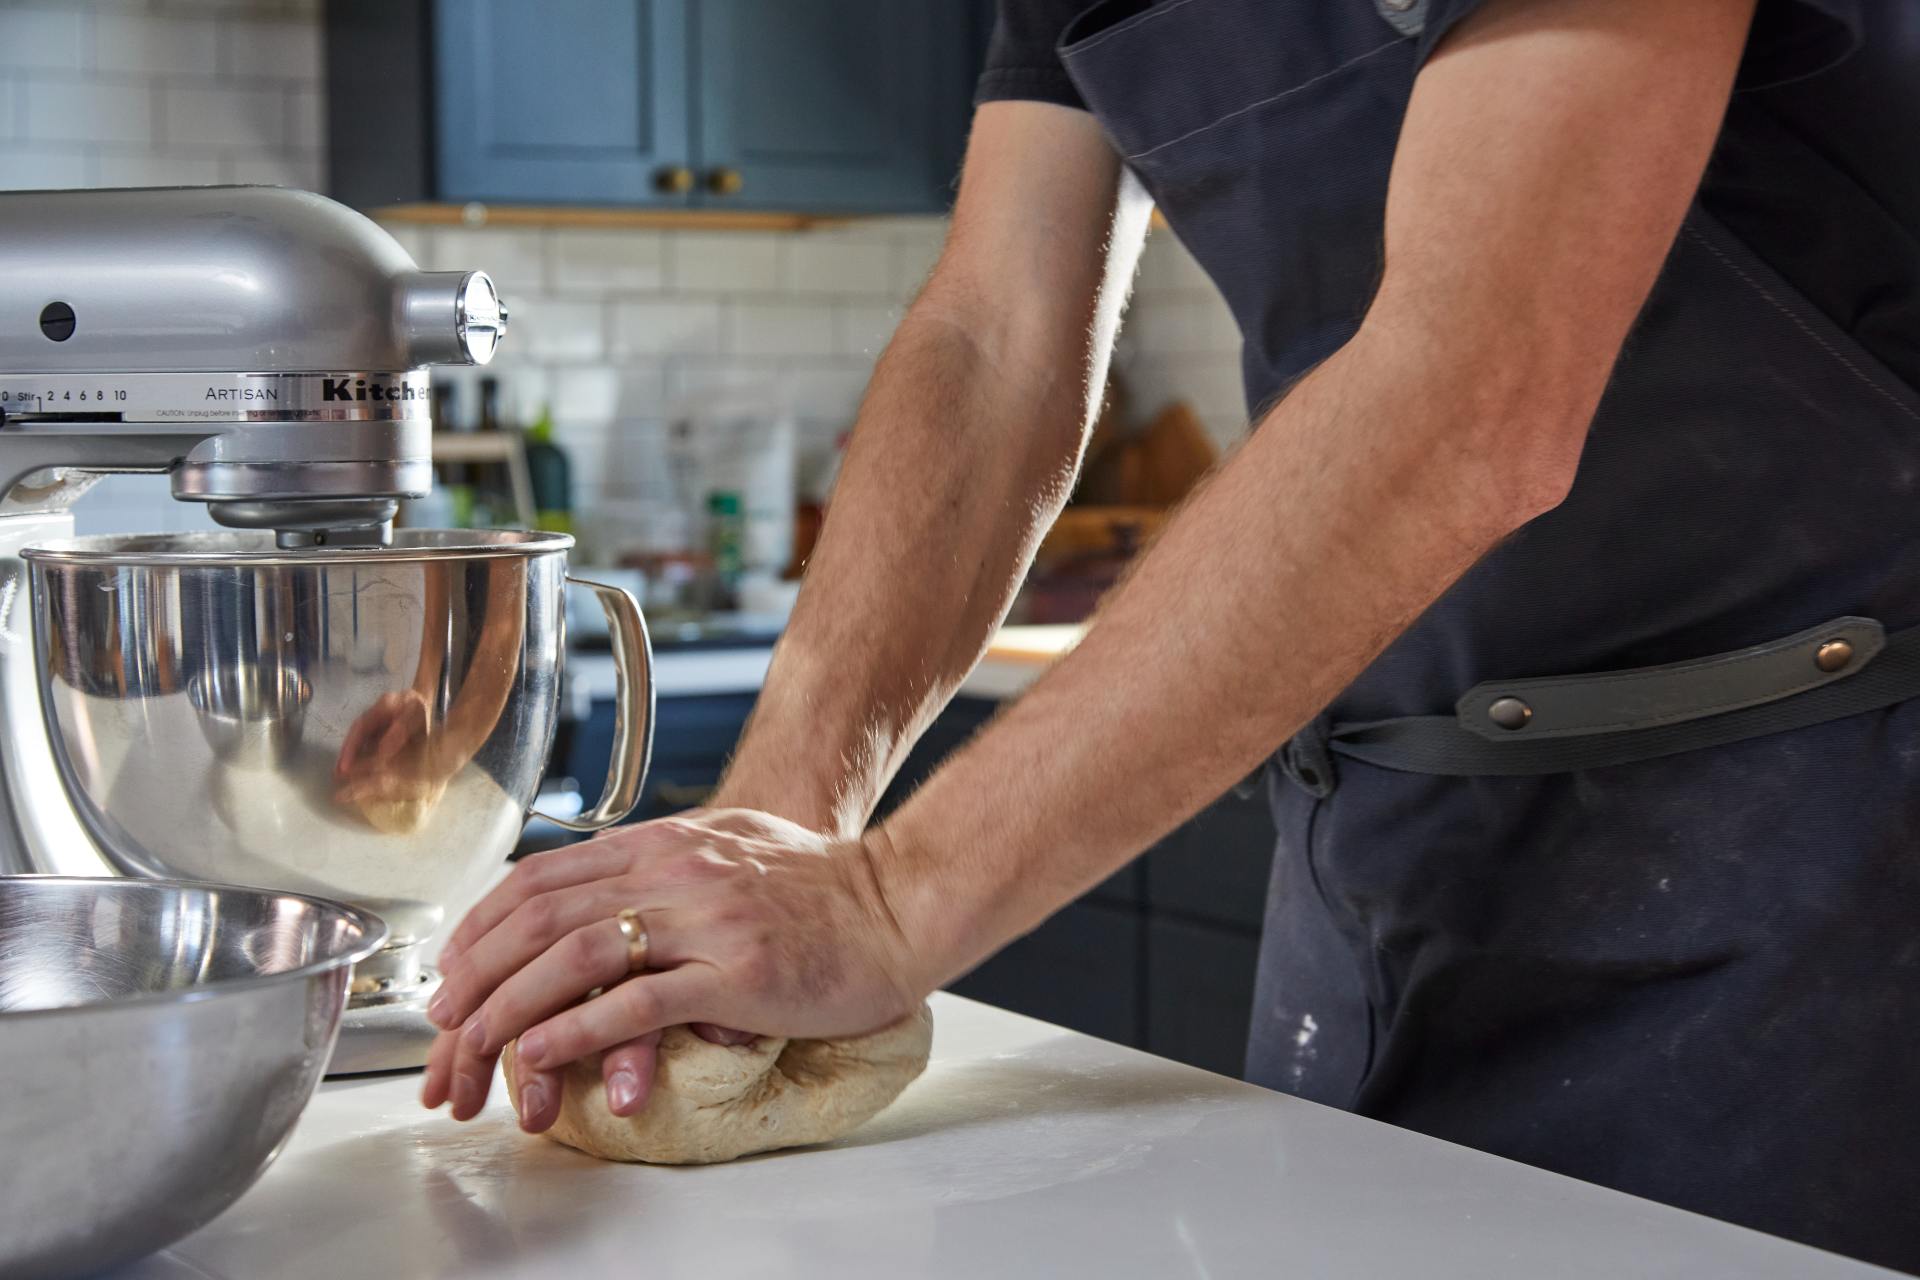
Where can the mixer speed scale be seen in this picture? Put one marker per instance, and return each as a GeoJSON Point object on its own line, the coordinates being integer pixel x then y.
{"type": "Point", "coordinates": [222, 397]}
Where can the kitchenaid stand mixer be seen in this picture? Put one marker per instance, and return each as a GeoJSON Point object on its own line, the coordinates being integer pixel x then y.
{"type": "Point", "coordinates": [266, 350]}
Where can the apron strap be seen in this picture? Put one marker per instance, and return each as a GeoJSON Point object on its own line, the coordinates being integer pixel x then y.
{"type": "Point", "coordinates": [1555, 725]}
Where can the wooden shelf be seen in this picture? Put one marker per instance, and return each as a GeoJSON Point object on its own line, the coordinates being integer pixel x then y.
{"type": "Point", "coordinates": [477, 446]}
{"type": "Point", "coordinates": [501, 448]}
{"type": "Point", "coordinates": [510, 215]}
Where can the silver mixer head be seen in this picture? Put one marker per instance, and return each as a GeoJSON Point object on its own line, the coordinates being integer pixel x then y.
{"type": "Point", "coordinates": [265, 348]}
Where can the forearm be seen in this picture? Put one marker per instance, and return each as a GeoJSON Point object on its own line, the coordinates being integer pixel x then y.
{"type": "Point", "coordinates": [965, 449]}
{"type": "Point", "coordinates": [957, 466]}
{"type": "Point", "coordinates": [1361, 498]}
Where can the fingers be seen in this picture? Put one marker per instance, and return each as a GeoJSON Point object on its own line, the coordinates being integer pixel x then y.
{"type": "Point", "coordinates": [469, 1080]}
{"type": "Point", "coordinates": [722, 1035]}
{"type": "Point", "coordinates": [408, 721]}
{"type": "Point", "coordinates": [435, 1088]}
{"type": "Point", "coordinates": [650, 1002]}
{"type": "Point", "coordinates": [539, 1098]}
{"type": "Point", "coordinates": [354, 745]}
{"type": "Point", "coordinates": [627, 1071]}
{"type": "Point", "coordinates": [535, 925]}
{"type": "Point", "coordinates": [594, 955]}
{"type": "Point", "coordinates": [535, 874]}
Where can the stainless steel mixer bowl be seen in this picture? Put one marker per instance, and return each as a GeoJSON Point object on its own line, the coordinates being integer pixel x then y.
{"type": "Point", "coordinates": [362, 723]}
{"type": "Point", "coordinates": [252, 717]}
{"type": "Point", "coordinates": [158, 1039]}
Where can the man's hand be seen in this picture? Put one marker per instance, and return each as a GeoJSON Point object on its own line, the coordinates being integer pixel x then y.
{"type": "Point", "coordinates": [751, 921]}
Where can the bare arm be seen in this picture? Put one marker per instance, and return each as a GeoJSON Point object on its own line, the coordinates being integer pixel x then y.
{"type": "Point", "coordinates": [1550, 151]}
{"type": "Point", "coordinates": [964, 451]}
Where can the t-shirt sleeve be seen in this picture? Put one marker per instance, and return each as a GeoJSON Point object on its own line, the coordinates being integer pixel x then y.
{"type": "Point", "coordinates": [1023, 58]}
{"type": "Point", "coordinates": [1791, 39]}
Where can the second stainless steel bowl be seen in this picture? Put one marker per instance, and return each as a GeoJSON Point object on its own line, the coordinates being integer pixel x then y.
{"type": "Point", "coordinates": [157, 1041]}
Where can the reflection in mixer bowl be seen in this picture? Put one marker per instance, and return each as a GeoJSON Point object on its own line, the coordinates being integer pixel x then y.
{"type": "Point", "coordinates": [368, 724]}
{"type": "Point", "coordinates": [252, 717]}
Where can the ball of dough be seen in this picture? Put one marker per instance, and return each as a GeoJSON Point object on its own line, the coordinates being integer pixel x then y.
{"type": "Point", "coordinates": [715, 1102]}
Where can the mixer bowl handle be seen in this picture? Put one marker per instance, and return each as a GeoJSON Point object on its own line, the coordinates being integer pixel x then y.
{"type": "Point", "coordinates": [633, 710]}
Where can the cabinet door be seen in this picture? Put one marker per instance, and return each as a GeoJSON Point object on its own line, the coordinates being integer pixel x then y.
{"type": "Point", "coordinates": [1217, 865]}
{"type": "Point", "coordinates": [558, 101]}
{"type": "Point", "coordinates": [1200, 994]}
{"type": "Point", "coordinates": [830, 105]}
{"type": "Point", "coordinates": [1081, 969]}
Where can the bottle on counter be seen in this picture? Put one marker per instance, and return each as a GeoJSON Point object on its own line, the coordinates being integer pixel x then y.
{"type": "Point", "coordinates": [550, 474]}
{"type": "Point", "coordinates": [456, 478]}
{"type": "Point", "coordinates": [726, 535]}
{"type": "Point", "coordinates": [492, 502]}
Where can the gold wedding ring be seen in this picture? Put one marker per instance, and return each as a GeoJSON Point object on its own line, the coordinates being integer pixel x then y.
{"type": "Point", "coordinates": [636, 935]}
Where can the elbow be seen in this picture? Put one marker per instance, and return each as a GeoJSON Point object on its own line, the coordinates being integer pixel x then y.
{"type": "Point", "coordinates": [1517, 452]}
{"type": "Point", "coordinates": [1510, 418]}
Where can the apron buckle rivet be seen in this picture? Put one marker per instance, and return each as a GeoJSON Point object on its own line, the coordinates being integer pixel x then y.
{"type": "Point", "coordinates": [1833, 655]}
{"type": "Point", "coordinates": [1510, 713]}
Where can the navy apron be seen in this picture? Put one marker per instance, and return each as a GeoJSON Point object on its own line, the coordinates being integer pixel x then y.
{"type": "Point", "coordinates": [1693, 973]}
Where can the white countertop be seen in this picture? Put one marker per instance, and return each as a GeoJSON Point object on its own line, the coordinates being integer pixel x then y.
{"type": "Point", "coordinates": [1015, 659]}
{"type": "Point", "coordinates": [1025, 1150]}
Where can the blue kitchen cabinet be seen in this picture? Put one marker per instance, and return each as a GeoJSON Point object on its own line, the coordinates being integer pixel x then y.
{"type": "Point", "coordinates": [562, 100]}
{"type": "Point", "coordinates": [831, 104]}
{"type": "Point", "coordinates": [802, 106]}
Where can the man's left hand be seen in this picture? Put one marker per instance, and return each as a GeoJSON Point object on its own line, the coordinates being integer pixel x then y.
{"type": "Point", "coordinates": [751, 921]}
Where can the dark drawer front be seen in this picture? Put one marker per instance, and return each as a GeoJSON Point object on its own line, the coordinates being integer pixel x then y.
{"type": "Point", "coordinates": [1200, 994]}
{"type": "Point", "coordinates": [693, 737]}
{"type": "Point", "coordinates": [1215, 867]}
{"type": "Point", "coordinates": [1081, 969]}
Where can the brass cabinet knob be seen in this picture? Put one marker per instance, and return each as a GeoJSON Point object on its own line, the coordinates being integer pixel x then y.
{"type": "Point", "coordinates": [724, 182]}
{"type": "Point", "coordinates": [675, 179]}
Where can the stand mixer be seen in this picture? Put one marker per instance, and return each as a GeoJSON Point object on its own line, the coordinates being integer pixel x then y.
{"type": "Point", "coordinates": [214, 706]}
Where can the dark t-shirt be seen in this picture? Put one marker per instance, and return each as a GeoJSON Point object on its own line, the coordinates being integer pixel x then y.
{"type": "Point", "coordinates": [1826, 118]}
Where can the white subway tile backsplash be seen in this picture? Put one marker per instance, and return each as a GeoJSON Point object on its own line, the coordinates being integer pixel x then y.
{"type": "Point", "coordinates": [557, 329]}
{"type": "Point", "coordinates": [276, 169]}
{"type": "Point", "coordinates": [43, 39]}
{"type": "Point", "coordinates": [586, 395]}
{"type": "Point", "coordinates": [306, 119]}
{"type": "Point", "coordinates": [1198, 324]}
{"type": "Point", "coordinates": [640, 391]}
{"type": "Point", "coordinates": [725, 261]}
{"type": "Point", "coordinates": [867, 327]}
{"type": "Point", "coordinates": [586, 261]}
{"type": "Point", "coordinates": [415, 239]}
{"type": "Point", "coordinates": [769, 327]}
{"type": "Point", "coordinates": [516, 257]}
{"type": "Point", "coordinates": [152, 169]}
{"type": "Point", "coordinates": [1167, 268]}
{"type": "Point", "coordinates": [24, 168]}
{"type": "Point", "coordinates": [1210, 384]}
{"type": "Point", "coordinates": [916, 248]}
{"type": "Point", "coordinates": [223, 115]}
{"type": "Point", "coordinates": [825, 391]}
{"type": "Point", "coordinates": [85, 109]}
{"type": "Point", "coordinates": [691, 380]}
{"type": "Point", "coordinates": [826, 263]}
{"type": "Point", "coordinates": [278, 50]}
{"type": "Point", "coordinates": [147, 44]}
{"type": "Point", "coordinates": [687, 326]}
